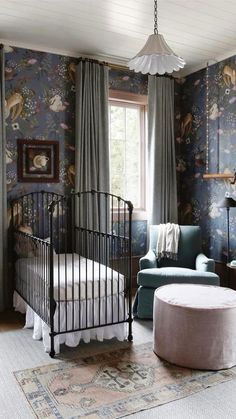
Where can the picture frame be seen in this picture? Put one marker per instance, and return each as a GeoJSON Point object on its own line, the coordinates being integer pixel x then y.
{"type": "Point", "coordinates": [38, 161]}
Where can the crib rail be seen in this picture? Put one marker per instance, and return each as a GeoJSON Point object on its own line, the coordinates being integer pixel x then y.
{"type": "Point", "coordinates": [94, 232]}
{"type": "Point", "coordinates": [32, 274]}
{"type": "Point", "coordinates": [29, 227]}
{"type": "Point", "coordinates": [32, 210]}
{"type": "Point", "coordinates": [79, 278]}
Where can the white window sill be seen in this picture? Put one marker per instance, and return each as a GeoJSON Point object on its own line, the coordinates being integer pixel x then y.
{"type": "Point", "coordinates": [137, 215]}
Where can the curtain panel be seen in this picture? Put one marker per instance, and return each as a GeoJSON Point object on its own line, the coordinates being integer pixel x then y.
{"type": "Point", "coordinates": [92, 141]}
{"type": "Point", "coordinates": [161, 151]}
{"type": "Point", "coordinates": [5, 286]}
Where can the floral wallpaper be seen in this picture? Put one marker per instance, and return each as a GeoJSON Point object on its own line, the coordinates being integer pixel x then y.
{"type": "Point", "coordinates": [40, 105]}
{"type": "Point", "coordinates": [198, 198]}
{"type": "Point", "coordinates": [128, 81]}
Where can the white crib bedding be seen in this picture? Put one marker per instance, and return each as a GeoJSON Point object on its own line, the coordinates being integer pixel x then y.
{"type": "Point", "coordinates": [70, 273]}
{"type": "Point", "coordinates": [42, 331]}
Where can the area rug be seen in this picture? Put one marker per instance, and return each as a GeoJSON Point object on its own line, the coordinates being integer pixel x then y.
{"type": "Point", "coordinates": [112, 384]}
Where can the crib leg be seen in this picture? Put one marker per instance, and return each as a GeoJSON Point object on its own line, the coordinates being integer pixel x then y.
{"type": "Point", "coordinates": [52, 352]}
{"type": "Point", "coordinates": [130, 336]}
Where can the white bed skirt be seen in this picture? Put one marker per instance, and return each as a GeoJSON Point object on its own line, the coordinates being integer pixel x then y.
{"type": "Point", "coordinates": [41, 330]}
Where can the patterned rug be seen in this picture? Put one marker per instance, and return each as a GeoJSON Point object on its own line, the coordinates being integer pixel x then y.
{"type": "Point", "coordinates": [112, 384]}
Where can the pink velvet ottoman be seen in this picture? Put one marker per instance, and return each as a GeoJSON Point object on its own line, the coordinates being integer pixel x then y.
{"type": "Point", "coordinates": [195, 325]}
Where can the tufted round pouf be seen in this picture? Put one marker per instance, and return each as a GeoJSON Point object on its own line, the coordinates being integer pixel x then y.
{"type": "Point", "coordinates": [195, 325]}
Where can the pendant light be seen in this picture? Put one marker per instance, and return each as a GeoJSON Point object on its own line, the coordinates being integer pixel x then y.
{"type": "Point", "coordinates": [156, 57]}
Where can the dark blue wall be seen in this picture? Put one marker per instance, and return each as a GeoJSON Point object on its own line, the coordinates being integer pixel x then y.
{"type": "Point", "coordinates": [198, 198]}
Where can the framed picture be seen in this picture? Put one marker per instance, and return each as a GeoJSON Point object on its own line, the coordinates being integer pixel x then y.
{"type": "Point", "coordinates": [38, 161]}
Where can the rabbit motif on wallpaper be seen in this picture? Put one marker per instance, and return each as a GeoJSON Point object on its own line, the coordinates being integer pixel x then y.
{"type": "Point", "coordinates": [56, 104]}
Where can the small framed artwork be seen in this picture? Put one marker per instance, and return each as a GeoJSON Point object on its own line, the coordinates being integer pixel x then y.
{"type": "Point", "coordinates": [38, 161]}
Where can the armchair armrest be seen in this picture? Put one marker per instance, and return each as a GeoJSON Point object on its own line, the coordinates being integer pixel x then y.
{"type": "Point", "coordinates": [148, 261]}
{"type": "Point", "coordinates": [204, 264]}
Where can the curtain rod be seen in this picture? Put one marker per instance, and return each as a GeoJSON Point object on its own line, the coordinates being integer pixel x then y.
{"type": "Point", "coordinates": [110, 65]}
{"type": "Point", "coordinates": [92, 60]}
{"type": "Point", "coordinates": [118, 67]}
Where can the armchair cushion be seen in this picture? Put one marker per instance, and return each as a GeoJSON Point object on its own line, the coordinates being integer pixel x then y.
{"type": "Point", "coordinates": [204, 264]}
{"type": "Point", "coordinates": [148, 261]}
{"type": "Point", "coordinates": [156, 277]}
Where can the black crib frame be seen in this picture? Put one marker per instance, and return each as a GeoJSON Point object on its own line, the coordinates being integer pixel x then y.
{"type": "Point", "coordinates": [93, 224]}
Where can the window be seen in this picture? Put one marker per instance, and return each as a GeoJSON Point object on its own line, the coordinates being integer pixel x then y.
{"type": "Point", "coordinates": [127, 148]}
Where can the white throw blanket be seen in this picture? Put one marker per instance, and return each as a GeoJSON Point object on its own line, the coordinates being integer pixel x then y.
{"type": "Point", "coordinates": [168, 241]}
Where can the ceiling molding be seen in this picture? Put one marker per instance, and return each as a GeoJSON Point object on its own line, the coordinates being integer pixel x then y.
{"type": "Point", "coordinates": [113, 59]}
{"type": "Point", "coordinates": [211, 61]}
{"type": "Point", "coordinates": [38, 47]}
{"type": "Point", "coordinates": [110, 59]}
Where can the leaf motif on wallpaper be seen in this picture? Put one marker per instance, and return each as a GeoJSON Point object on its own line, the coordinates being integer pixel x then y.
{"type": "Point", "coordinates": [15, 212]}
{"type": "Point", "coordinates": [72, 71]}
{"type": "Point", "coordinates": [11, 180]}
{"type": "Point", "coordinates": [71, 174]}
{"type": "Point", "coordinates": [45, 67]}
{"type": "Point", "coordinates": [229, 76]}
{"type": "Point", "coordinates": [11, 152]}
{"type": "Point", "coordinates": [186, 125]}
{"type": "Point", "coordinates": [181, 165]}
{"type": "Point", "coordinates": [14, 106]}
{"type": "Point", "coordinates": [51, 124]}
{"type": "Point", "coordinates": [185, 213]}
{"type": "Point", "coordinates": [199, 158]}
{"type": "Point", "coordinates": [9, 157]}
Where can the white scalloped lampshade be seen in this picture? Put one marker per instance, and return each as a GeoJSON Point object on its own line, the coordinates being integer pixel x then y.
{"type": "Point", "coordinates": [156, 57]}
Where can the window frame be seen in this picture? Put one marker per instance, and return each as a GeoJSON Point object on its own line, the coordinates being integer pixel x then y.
{"type": "Point", "coordinates": [117, 97]}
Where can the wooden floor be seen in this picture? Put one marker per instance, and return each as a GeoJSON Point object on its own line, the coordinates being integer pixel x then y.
{"type": "Point", "coordinates": [11, 320]}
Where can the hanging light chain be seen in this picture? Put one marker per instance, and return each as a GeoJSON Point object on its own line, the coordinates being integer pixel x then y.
{"type": "Point", "coordinates": [207, 118]}
{"type": "Point", "coordinates": [155, 18]}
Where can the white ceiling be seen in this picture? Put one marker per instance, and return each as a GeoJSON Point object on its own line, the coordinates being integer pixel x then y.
{"type": "Point", "coordinates": [200, 31]}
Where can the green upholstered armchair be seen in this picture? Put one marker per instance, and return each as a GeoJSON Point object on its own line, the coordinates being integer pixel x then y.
{"type": "Point", "coordinates": [192, 267]}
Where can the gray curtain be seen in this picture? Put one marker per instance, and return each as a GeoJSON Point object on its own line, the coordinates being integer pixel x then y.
{"type": "Point", "coordinates": [161, 151]}
{"type": "Point", "coordinates": [5, 285]}
{"type": "Point", "coordinates": [92, 141]}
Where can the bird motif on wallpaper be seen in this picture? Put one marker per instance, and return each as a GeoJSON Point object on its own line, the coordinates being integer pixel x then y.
{"type": "Point", "coordinates": [186, 125]}
{"type": "Point", "coordinates": [229, 76]}
{"type": "Point", "coordinates": [72, 71]}
{"type": "Point", "coordinates": [56, 104]}
{"type": "Point", "coordinates": [14, 106]}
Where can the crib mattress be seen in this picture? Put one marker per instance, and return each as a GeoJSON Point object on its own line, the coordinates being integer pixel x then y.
{"type": "Point", "coordinates": [75, 277]}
